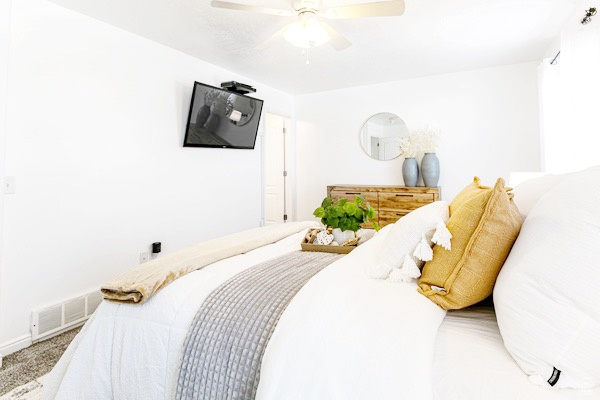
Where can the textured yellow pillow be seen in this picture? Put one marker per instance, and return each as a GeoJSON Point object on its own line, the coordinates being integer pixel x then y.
{"type": "Point", "coordinates": [484, 223]}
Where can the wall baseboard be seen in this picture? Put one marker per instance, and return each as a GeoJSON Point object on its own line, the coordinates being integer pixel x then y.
{"type": "Point", "coordinates": [25, 341]}
{"type": "Point", "coordinates": [14, 345]}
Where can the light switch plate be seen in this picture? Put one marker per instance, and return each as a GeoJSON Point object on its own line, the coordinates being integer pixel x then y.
{"type": "Point", "coordinates": [9, 185]}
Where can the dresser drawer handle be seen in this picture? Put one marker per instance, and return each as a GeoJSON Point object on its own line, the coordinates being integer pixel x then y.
{"type": "Point", "coordinates": [357, 193]}
{"type": "Point", "coordinates": [403, 195]}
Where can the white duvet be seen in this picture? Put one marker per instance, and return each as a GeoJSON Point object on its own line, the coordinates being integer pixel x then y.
{"type": "Point", "coordinates": [344, 336]}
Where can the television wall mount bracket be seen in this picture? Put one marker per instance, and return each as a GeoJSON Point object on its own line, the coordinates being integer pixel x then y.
{"type": "Point", "coordinates": [236, 87]}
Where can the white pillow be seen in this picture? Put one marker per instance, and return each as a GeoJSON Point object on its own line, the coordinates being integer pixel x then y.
{"type": "Point", "coordinates": [530, 191]}
{"type": "Point", "coordinates": [546, 295]}
{"type": "Point", "coordinates": [405, 235]}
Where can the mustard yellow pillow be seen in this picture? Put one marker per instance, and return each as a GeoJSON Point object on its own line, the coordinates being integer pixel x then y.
{"type": "Point", "coordinates": [484, 223]}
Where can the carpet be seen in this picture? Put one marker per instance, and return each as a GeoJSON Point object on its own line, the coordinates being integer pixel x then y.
{"type": "Point", "coordinates": [25, 369]}
{"type": "Point", "coordinates": [33, 390]}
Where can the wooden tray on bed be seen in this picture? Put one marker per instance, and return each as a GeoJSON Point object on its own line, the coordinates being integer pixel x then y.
{"type": "Point", "coordinates": [327, 248]}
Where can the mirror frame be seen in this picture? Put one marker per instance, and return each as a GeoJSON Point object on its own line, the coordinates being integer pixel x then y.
{"type": "Point", "coordinates": [391, 143]}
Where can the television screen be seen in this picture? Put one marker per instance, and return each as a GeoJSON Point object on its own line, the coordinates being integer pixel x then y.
{"type": "Point", "coordinates": [220, 118]}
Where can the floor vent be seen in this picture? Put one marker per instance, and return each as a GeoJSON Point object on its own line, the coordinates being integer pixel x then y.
{"type": "Point", "coordinates": [51, 321]}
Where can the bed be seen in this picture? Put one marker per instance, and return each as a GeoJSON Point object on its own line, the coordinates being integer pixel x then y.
{"type": "Point", "coordinates": [343, 335]}
{"type": "Point", "coordinates": [471, 362]}
{"type": "Point", "coordinates": [340, 337]}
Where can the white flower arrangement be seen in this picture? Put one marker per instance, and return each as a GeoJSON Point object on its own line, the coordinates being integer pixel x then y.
{"type": "Point", "coordinates": [428, 138]}
{"type": "Point", "coordinates": [409, 146]}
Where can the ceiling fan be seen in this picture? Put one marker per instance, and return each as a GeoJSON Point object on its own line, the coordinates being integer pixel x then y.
{"type": "Point", "coordinates": [310, 30]}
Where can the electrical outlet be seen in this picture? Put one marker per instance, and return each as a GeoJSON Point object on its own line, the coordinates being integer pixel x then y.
{"type": "Point", "coordinates": [144, 257]}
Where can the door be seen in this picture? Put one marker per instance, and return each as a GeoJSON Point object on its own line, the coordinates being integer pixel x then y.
{"type": "Point", "coordinates": [275, 168]}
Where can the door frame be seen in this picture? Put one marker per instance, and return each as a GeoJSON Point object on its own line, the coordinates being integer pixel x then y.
{"type": "Point", "coordinates": [289, 164]}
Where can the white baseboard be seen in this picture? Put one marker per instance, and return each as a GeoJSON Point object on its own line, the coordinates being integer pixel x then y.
{"type": "Point", "coordinates": [25, 341]}
{"type": "Point", "coordinates": [14, 345]}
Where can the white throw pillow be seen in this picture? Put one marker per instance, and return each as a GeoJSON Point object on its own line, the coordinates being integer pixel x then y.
{"type": "Point", "coordinates": [546, 295]}
{"type": "Point", "coordinates": [405, 235]}
{"type": "Point", "coordinates": [530, 191]}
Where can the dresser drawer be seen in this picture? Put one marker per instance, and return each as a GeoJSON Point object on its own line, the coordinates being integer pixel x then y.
{"type": "Point", "coordinates": [389, 217]}
{"type": "Point", "coordinates": [404, 201]}
{"type": "Point", "coordinates": [390, 202]}
{"type": "Point", "coordinates": [370, 197]}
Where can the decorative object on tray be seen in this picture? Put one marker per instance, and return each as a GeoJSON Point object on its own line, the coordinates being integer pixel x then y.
{"type": "Point", "coordinates": [429, 140]}
{"type": "Point", "coordinates": [345, 217]}
{"type": "Point", "coordinates": [324, 238]}
{"type": "Point", "coordinates": [312, 242]}
{"type": "Point", "coordinates": [409, 147]}
{"type": "Point", "coordinates": [342, 219]}
{"type": "Point", "coordinates": [342, 236]}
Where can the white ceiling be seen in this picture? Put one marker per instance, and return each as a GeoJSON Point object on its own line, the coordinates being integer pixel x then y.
{"type": "Point", "coordinates": [432, 37]}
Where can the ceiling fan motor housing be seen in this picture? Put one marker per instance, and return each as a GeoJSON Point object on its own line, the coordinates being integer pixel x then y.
{"type": "Point", "coordinates": [306, 5]}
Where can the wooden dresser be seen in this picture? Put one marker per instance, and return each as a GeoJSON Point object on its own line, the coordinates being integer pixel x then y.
{"type": "Point", "coordinates": [390, 202]}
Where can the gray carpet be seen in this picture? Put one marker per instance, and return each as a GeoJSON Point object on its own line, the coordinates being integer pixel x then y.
{"type": "Point", "coordinates": [31, 363]}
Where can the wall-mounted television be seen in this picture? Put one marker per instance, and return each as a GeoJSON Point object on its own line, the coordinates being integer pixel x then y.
{"type": "Point", "coordinates": [220, 118]}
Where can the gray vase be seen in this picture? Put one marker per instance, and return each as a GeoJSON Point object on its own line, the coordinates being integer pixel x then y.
{"type": "Point", "coordinates": [410, 172]}
{"type": "Point", "coordinates": [430, 169]}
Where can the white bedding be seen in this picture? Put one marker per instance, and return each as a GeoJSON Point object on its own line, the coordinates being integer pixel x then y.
{"type": "Point", "coordinates": [344, 336]}
{"type": "Point", "coordinates": [471, 362]}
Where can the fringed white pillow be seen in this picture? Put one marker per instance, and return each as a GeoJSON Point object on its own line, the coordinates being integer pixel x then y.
{"type": "Point", "coordinates": [408, 242]}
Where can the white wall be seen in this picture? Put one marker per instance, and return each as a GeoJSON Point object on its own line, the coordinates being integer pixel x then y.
{"type": "Point", "coordinates": [4, 42]}
{"type": "Point", "coordinates": [489, 121]}
{"type": "Point", "coordinates": [95, 126]}
{"type": "Point", "coordinates": [569, 95]}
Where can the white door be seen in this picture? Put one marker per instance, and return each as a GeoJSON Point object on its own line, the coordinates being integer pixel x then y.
{"type": "Point", "coordinates": [275, 168]}
{"type": "Point", "coordinates": [389, 148]}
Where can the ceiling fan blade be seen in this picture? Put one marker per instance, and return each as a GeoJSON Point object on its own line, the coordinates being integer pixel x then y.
{"type": "Point", "coordinates": [271, 39]}
{"type": "Point", "coordinates": [336, 40]}
{"type": "Point", "coordinates": [378, 9]}
{"type": "Point", "coordinates": [244, 7]}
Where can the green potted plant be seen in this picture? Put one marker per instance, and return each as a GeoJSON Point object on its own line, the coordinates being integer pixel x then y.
{"type": "Point", "coordinates": [345, 217]}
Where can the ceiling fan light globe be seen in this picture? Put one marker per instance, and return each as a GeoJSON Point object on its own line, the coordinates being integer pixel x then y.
{"type": "Point", "coordinates": [306, 33]}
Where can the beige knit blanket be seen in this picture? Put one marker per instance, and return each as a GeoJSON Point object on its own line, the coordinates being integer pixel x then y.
{"type": "Point", "coordinates": [140, 283]}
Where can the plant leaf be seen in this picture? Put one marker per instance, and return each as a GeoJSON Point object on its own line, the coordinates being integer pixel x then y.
{"type": "Point", "coordinates": [350, 208]}
{"type": "Point", "coordinates": [370, 213]}
{"type": "Point", "coordinates": [359, 214]}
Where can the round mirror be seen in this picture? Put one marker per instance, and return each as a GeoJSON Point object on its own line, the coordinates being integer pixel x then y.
{"type": "Point", "coordinates": [380, 136]}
